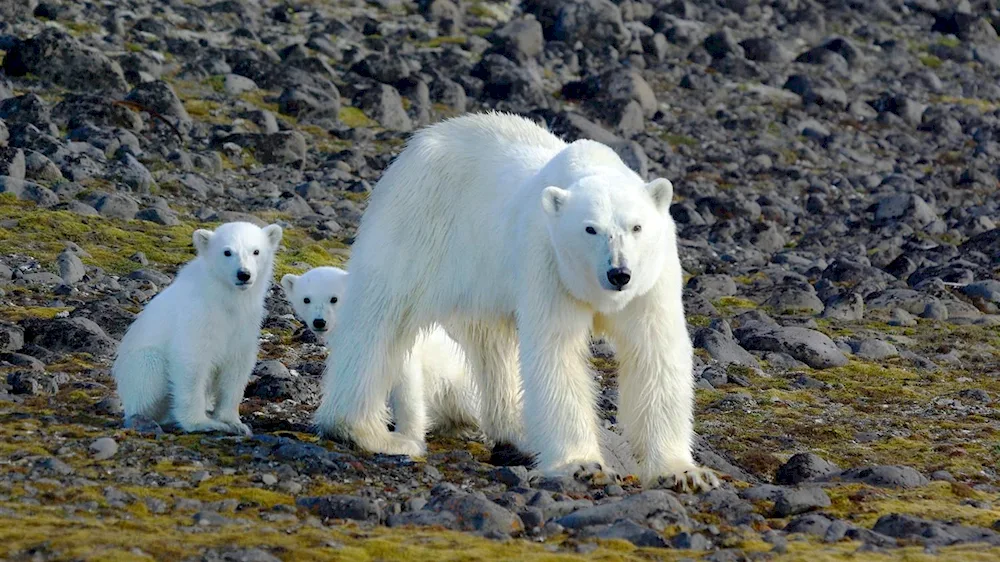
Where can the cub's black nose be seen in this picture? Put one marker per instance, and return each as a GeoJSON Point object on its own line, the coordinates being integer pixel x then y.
{"type": "Point", "coordinates": [319, 324]}
{"type": "Point", "coordinates": [619, 276]}
{"type": "Point", "coordinates": [244, 275]}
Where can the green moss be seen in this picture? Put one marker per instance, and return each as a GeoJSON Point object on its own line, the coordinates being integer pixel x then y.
{"type": "Point", "coordinates": [134, 47]}
{"type": "Point", "coordinates": [42, 234]}
{"type": "Point", "coordinates": [930, 61]}
{"type": "Point", "coordinates": [446, 40]}
{"type": "Point", "coordinates": [354, 117]}
{"type": "Point", "coordinates": [728, 305]}
{"type": "Point", "coordinates": [678, 140]}
{"type": "Point", "coordinates": [949, 42]}
{"type": "Point", "coordinates": [18, 313]}
{"type": "Point", "coordinates": [81, 28]}
{"type": "Point", "coordinates": [217, 83]}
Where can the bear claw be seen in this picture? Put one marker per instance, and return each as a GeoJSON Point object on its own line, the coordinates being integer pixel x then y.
{"type": "Point", "coordinates": [595, 474]}
{"type": "Point", "coordinates": [693, 480]}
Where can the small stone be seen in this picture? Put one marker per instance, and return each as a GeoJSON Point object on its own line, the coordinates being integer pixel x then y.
{"type": "Point", "coordinates": [268, 479]}
{"type": "Point", "coordinates": [794, 502]}
{"type": "Point", "coordinates": [802, 467]}
{"type": "Point", "coordinates": [103, 448]}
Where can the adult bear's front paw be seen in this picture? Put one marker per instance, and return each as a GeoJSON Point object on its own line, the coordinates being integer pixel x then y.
{"type": "Point", "coordinates": [592, 473]}
{"type": "Point", "coordinates": [687, 479]}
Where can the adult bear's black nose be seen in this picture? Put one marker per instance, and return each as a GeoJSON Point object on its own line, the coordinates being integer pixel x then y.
{"type": "Point", "coordinates": [319, 324]}
{"type": "Point", "coordinates": [243, 275]}
{"type": "Point", "coordinates": [619, 277]}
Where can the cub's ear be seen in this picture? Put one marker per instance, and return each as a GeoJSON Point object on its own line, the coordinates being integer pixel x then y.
{"type": "Point", "coordinates": [553, 200]}
{"type": "Point", "coordinates": [201, 239]}
{"type": "Point", "coordinates": [274, 234]}
{"type": "Point", "coordinates": [288, 283]}
{"type": "Point", "coordinates": [662, 192]}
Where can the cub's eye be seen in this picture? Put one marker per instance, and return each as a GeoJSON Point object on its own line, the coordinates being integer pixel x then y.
{"type": "Point", "coordinates": [306, 300]}
{"type": "Point", "coordinates": [637, 228]}
{"type": "Point", "coordinates": [256, 252]}
{"type": "Point", "coordinates": [228, 253]}
{"type": "Point", "coordinates": [591, 230]}
{"type": "Point", "coordinates": [333, 300]}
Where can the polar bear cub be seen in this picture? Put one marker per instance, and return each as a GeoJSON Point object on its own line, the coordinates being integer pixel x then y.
{"type": "Point", "coordinates": [521, 245]}
{"type": "Point", "coordinates": [435, 391]}
{"type": "Point", "coordinates": [187, 357]}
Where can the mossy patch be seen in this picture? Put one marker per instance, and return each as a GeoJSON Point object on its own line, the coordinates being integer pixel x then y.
{"type": "Point", "coordinates": [354, 117]}
{"type": "Point", "coordinates": [42, 234]}
{"type": "Point", "coordinates": [18, 313]}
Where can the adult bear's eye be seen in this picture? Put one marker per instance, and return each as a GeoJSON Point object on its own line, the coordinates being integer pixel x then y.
{"type": "Point", "coordinates": [228, 253]}
{"type": "Point", "coordinates": [591, 230]}
{"type": "Point", "coordinates": [637, 228]}
{"type": "Point", "coordinates": [256, 252]}
{"type": "Point", "coordinates": [333, 300]}
{"type": "Point", "coordinates": [306, 300]}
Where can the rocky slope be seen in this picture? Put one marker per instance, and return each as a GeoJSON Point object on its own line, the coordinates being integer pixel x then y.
{"type": "Point", "coordinates": [835, 167]}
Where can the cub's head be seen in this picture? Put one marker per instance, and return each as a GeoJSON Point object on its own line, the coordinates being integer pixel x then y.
{"type": "Point", "coordinates": [239, 254]}
{"type": "Point", "coordinates": [316, 296]}
{"type": "Point", "coordinates": [610, 232]}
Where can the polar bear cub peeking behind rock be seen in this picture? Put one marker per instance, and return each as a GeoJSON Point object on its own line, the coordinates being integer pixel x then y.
{"type": "Point", "coordinates": [434, 392]}
{"type": "Point", "coordinates": [187, 357]}
{"type": "Point", "coordinates": [521, 246]}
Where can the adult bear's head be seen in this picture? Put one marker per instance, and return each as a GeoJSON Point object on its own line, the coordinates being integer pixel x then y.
{"type": "Point", "coordinates": [612, 233]}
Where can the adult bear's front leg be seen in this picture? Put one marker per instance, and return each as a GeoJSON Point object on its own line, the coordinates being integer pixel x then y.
{"type": "Point", "coordinates": [656, 390]}
{"type": "Point", "coordinates": [559, 391]}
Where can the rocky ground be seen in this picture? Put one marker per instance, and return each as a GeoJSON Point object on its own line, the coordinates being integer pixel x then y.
{"type": "Point", "coordinates": [835, 167]}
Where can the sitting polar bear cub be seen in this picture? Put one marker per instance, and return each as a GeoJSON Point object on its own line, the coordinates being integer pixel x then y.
{"type": "Point", "coordinates": [435, 391]}
{"type": "Point", "coordinates": [187, 357]}
{"type": "Point", "coordinates": [521, 246]}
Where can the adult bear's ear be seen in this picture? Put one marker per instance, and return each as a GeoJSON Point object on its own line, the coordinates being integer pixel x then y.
{"type": "Point", "coordinates": [201, 239]}
{"type": "Point", "coordinates": [288, 283]}
{"type": "Point", "coordinates": [274, 234]}
{"type": "Point", "coordinates": [553, 200]}
{"type": "Point", "coordinates": [662, 192]}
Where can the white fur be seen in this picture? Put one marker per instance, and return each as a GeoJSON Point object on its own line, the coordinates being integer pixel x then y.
{"type": "Point", "coordinates": [435, 391]}
{"type": "Point", "coordinates": [187, 357]}
{"type": "Point", "coordinates": [479, 225]}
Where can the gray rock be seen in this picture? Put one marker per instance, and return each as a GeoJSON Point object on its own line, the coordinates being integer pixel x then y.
{"type": "Point", "coordinates": [475, 513]}
{"type": "Point", "coordinates": [801, 500]}
{"type": "Point", "coordinates": [55, 56]}
{"type": "Point", "coordinates": [809, 346]}
{"type": "Point", "coordinates": [794, 300]}
{"type": "Point", "coordinates": [848, 306]}
{"type": "Point", "coordinates": [103, 449]}
{"type": "Point", "coordinates": [712, 286]}
{"type": "Point", "coordinates": [32, 383]}
{"type": "Point", "coordinates": [69, 335]}
{"type": "Point", "coordinates": [626, 530]}
{"type": "Point", "coordinates": [71, 268]}
{"type": "Point", "coordinates": [887, 476]}
{"type": "Point", "coordinates": [723, 349]}
{"type": "Point", "coordinates": [874, 349]}
{"type": "Point", "coordinates": [803, 467]}
{"type": "Point", "coordinates": [636, 508]}
{"type": "Point", "coordinates": [115, 205]}
{"type": "Point", "coordinates": [594, 23]}
{"type": "Point", "coordinates": [384, 104]}
{"type": "Point", "coordinates": [342, 507]}
{"type": "Point", "coordinates": [809, 524]}
{"type": "Point", "coordinates": [519, 39]}
{"type": "Point", "coordinates": [161, 98]}
{"type": "Point", "coordinates": [906, 207]}
{"type": "Point", "coordinates": [11, 337]}
{"type": "Point", "coordinates": [512, 476]}
{"type": "Point", "coordinates": [143, 425]}
{"type": "Point", "coordinates": [28, 191]}
{"type": "Point", "coordinates": [932, 532]}
{"type": "Point", "coordinates": [12, 162]}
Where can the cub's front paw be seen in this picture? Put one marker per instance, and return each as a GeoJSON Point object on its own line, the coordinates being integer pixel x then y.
{"type": "Point", "coordinates": [238, 428]}
{"type": "Point", "coordinates": [690, 479]}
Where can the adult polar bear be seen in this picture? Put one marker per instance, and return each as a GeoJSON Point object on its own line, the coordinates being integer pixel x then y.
{"type": "Point", "coordinates": [495, 228]}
